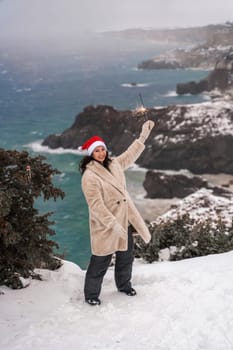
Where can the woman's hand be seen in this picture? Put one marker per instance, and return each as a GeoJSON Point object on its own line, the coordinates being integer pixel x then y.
{"type": "Point", "coordinates": [119, 231]}
{"type": "Point", "coordinates": [146, 130]}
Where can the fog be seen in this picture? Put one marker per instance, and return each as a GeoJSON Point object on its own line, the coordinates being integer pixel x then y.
{"type": "Point", "coordinates": [70, 20]}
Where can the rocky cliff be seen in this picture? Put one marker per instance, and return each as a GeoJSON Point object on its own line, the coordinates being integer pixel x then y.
{"type": "Point", "coordinates": [215, 44]}
{"type": "Point", "coordinates": [196, 137]}
{"type": "Point", "coordinates": [220, 78]}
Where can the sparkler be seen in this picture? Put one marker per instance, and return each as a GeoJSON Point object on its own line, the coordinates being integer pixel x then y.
{"type": "Point", "coordinates": [141, 111]}
{"type": "Point", "coordinates": [141, 99]}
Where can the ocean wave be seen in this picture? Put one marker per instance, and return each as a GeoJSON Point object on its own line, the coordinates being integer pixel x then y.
{"type": "Point", "coordinates": [135, 167]}
{"type": "Point", "coordinates": [26, 89]}
{"type": "Point", "coordinates": [35, 132]}
{"type": "Point", "coordinates": [206, 97]}
{"type": "Point", "coordinates": [133, 85]}
{"type": "Point", "coordinates": [171, 94]}
{"type": "Point", "coordinates": [37, 147]}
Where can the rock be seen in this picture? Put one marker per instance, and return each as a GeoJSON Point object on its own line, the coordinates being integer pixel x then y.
{"type": "Point", "coordinates": [196, 137]}
{"type": "Point", "coordinates": [169, 185]}
{"type": "Point", "coordinates": [101, 120]}
{"type": "Point", "coordinates": [162, 185]}
{"type": "Point", "coordinates": [5, 203]}
{"type": "Point", "coordinates": [220, 78]}
{"type": "Point", "coordinates": [160, 64]}
{"type": "Point", "coordinates": [202, 206]}
{"type": "Point", "coordinates": [201, 57]}
{"type": "Point", "coordinates": [192, 87]}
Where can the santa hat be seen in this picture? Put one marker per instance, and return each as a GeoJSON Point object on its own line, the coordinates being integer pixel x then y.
{"type": "Point", "coordinates": [92, 143]}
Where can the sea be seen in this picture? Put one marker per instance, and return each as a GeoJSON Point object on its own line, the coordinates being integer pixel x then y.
{"type": "Point", "coordinates": [43, 88]}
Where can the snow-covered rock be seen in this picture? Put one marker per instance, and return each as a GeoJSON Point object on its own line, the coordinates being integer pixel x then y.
{"type": "Point", "coordinates": [202, 206]}
{"type": "Point", "coordinates": [196, 137]}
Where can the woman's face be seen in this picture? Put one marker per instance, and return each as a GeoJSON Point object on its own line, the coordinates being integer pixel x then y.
{"type": "Point", "coordinates": [99, 154]}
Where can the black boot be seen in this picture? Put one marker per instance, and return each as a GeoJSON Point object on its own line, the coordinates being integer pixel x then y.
{"type": "Point", "coordinates": [130, 292]}
{"type": "Point", "coordinates": [93, 301]}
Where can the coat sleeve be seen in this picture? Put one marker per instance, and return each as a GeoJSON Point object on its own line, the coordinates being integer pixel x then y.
{"type": "Point", "coordinates": [97, 208]}
{"type": "Point", "coordinates": [127, 158]}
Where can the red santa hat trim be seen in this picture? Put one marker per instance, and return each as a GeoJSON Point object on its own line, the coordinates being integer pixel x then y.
{"type": "Point", "coordinates": [92, 143]}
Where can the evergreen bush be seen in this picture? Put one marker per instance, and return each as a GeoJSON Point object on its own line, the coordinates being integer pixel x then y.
{"type": "Point", "coordinates": [24, 243]}
{"type": "Point", "coordinates": [185, 238]}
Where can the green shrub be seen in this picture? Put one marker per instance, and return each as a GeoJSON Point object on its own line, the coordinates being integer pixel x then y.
{"type": "Point", "coordinates": [185, 238]}
{"type": "Point", "coordinates": [24, 243]}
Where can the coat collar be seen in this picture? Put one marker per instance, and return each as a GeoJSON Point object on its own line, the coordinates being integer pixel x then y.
{"type": "Point", "coordinates": [105, 175]}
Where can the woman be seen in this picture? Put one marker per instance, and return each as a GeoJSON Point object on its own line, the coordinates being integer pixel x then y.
{"type": "Point", "coordinates": [111, 212]}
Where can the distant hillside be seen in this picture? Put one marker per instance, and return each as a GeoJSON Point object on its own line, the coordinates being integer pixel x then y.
{"type": "Point", "coordinates": [209, 33]}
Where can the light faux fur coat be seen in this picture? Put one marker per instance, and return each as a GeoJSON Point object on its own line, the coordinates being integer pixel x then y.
{"type": "Point", "coordinates": [109, 203]}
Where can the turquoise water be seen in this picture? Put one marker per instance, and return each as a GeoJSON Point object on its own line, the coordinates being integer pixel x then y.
{"type": "Point", "coordinates": [42, 93]}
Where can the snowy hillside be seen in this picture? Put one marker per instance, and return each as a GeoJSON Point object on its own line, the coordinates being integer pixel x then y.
{"type": "Point", "coordinates": [185, 305]}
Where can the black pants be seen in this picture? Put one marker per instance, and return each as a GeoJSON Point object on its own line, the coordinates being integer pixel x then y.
{"type": "Point", "coordinates": [98, 267]}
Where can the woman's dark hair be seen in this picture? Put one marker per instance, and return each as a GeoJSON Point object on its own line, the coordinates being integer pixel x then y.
{"type": "Point", "coordinates": [87, 159]}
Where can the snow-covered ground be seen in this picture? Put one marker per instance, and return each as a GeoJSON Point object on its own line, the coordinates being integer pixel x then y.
{"type": "Point", "coordinates": [185, 305]}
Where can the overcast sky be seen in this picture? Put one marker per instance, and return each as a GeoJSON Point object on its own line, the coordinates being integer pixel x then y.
{"type": "Point", "coordinates": [55, 17]}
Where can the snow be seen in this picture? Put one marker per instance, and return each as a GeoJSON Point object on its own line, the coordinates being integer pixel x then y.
{"type": "Point", "coordinates": [180, 305]}
{"type": "Point", "coordinates": [210, 118]}
{"type": "Point", "coordinates": [202, 205]}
